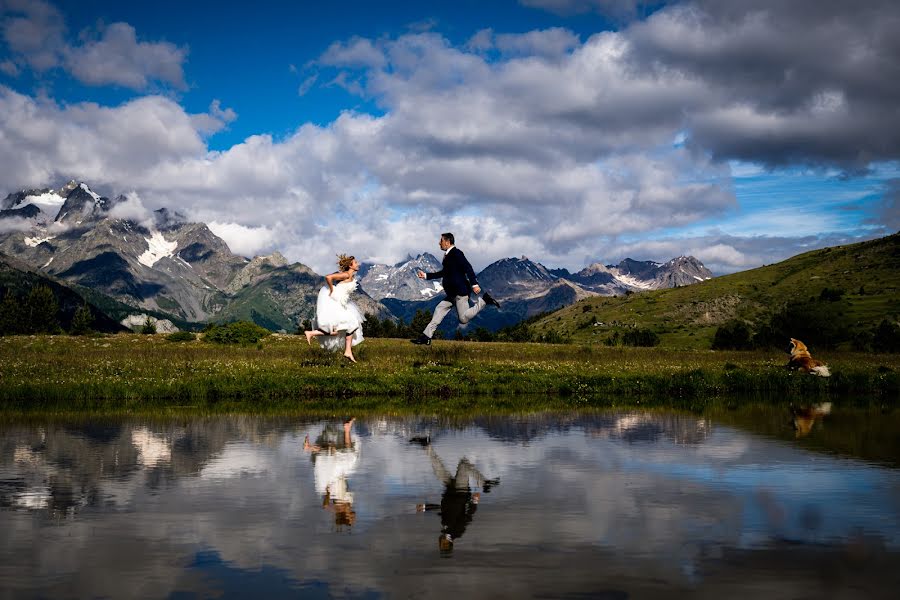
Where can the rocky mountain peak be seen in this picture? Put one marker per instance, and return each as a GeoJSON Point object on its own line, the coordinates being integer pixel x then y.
{"type": "Point", "coordinates": [29, 211]}
{"type": "Point", "coordinates": [642, 269]}
{"type": "Point", "coordinates": [512, 277]}
{"type": "Point", "coordinates": [81, 204]}
{"type": "Point", "coordinates": [168, 219]}
{"type": "Point", "coordinates": [400, 281]}
{"type": "Point", "coordinates": [680, 271]}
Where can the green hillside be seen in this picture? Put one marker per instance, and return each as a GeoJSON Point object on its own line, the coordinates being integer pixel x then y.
{"type": "Point", "coordinates": [17, 280]}
{"type": "Point", "coordinates": [849, 288]}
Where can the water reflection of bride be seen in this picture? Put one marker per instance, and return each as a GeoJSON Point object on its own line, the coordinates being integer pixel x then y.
{"type": "Point", "coordinates": [334, 460]}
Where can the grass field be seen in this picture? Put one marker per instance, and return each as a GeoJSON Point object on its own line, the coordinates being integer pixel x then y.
{"type": "Point", "coordinates": [131, 371]}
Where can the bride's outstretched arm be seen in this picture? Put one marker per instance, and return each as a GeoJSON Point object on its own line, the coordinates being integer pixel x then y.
{"type": "Point", "coordinates": [331, 279]}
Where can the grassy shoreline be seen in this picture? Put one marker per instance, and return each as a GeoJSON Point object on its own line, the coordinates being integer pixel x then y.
{"type": "Point", "coordinates": [131, 371]}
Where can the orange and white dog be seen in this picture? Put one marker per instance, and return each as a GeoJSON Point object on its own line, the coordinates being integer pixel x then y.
{"type": "Point", "coordinates": [803, 361]}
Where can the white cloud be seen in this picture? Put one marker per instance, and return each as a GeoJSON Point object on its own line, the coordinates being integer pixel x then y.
{"type": "Point", "coordinates": [307, 84]}
{"type": "Point", "coordinates": [36, 35]}
{"type": "Point", "coordinates": [357, 52]}
{"type": "Point", "coordinates": [15, 224]}
{"type": "Point", "coordinates": [119, 58]}
{"type": "Point", "coordinates": [215, 120]}
{"type": "Point", "coordinates": [35, 32]}
{"type": "Point", "coordinates": [131, 208]}
{"type": "Point", "coordinates": [550, 147]}
{"type": "Point", "coordinates": [247, 241]}
{"type": "Point", "coordinates": [548, 43]}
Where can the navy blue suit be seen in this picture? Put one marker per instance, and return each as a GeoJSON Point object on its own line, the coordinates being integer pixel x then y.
{"type": "Point", "coordinates": [458, 279]}
{"type": "Point", "coordinates": [458, 275]}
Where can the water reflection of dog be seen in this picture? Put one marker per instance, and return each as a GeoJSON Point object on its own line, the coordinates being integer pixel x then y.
{"type": "Point", "coordinates": [804, 417]}
{"type": "Point", "coordinates": [334, 460]}
{"type": "Point", "coordinates": [459, 500]}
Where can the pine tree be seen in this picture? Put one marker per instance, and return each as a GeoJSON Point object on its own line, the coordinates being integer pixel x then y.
{"type": "Point", "coordinates": [10, 314]}
{"type": "Point", "coordinates": [149, 326]}
{"type": "Point", "coordinates": [41, 310]}
{"type": "Point", "coordinates": [81, 322]}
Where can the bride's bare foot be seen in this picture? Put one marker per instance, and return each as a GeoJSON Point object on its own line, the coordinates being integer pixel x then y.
{"type": "Point", "coordinates": [309, 337]}
{"type": "Point", "coordinates": [349, 357]}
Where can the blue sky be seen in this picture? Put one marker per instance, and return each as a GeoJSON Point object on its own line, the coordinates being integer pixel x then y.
{"type": "Point", "coordinates": [569, 131]}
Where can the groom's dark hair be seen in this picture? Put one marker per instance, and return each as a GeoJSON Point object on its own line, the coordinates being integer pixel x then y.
{"type": "Point", "coordinates": [449, 237]}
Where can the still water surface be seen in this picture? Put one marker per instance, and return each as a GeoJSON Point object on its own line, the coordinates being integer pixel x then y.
{"type": "Point", "coordinates": [578, 505]}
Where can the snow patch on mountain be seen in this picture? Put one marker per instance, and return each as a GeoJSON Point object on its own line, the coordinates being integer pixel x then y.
{"type": "Point", "coordinates": [34, 242]}
{"type": "Point", "coordinates": [90, 192]}
{"type": "Point", "coordinates": [634, 282]}
{"type": "Point", "coordinates": [158, 247]}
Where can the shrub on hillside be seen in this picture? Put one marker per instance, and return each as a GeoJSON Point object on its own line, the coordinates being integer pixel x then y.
{"type": "Point", "coordinates": [640, 337]}
{"type": "Point", "coordinates": [181, 336]}
{"type": "Point", "coordinates": [886, 337]}
{"type": "Point", "coordinates": [816, 322]}
{"type": "Point", "coordinates": [732, 335]}
{"type": "Point", "coordinates": [633, 337]}
{"type": "Point", "coordinates": [81, 322]}
{"type": "Point", "coordinates": [239, 332]}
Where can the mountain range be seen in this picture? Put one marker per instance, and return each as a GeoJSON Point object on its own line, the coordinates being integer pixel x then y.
{"type": "Point", "coordinates": [162, 264]}
{"type": "Point", "coordinates": [525, 288]}
{"type": "Point", "coordinates": [169, 267]}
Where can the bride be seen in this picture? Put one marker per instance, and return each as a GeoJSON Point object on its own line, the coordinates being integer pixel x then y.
{"type": "Point", "coordinates": [338, 320]}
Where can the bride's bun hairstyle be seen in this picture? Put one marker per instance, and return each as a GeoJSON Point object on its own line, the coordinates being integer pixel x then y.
{"type": "Point", "coordinates": [345, 261]}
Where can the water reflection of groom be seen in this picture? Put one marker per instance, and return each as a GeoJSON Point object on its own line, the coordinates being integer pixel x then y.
{"type": "Point", "coordinates": [458, 502]}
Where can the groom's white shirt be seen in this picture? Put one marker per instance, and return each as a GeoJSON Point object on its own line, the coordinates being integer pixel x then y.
{"type": "Point", "coordinates": [447, 251]}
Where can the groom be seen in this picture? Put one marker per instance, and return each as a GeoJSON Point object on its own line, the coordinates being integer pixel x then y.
{"type": "Point", "coordinates": [459, 282]}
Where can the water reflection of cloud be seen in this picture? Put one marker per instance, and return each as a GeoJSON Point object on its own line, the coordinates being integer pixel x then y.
{"type": "Point", "coordinates": [578, 497]}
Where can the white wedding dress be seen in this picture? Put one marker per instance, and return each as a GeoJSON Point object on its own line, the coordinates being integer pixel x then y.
{"type": "Point", "coordinates": [336, 312]}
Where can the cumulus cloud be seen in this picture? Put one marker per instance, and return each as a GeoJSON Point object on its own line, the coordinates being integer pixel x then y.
{"type": "Point", "coordinates": [43, 141]}
{"type": "Point", "coordinates": [34, 32]}
{"type": "Point", "coordinates": [537, 143]}
{"type": "Point", "coordinates": [794, 82]}
{"type": "Point", "coordinates": [36, 35]}
{"type": "Point", "coordinates": [247, 241]}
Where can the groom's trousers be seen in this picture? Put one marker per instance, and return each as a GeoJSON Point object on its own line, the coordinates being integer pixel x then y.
{"type": "Point", "coordinates": [465, 312]}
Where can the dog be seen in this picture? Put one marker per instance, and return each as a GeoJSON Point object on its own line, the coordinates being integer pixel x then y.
{"type": "Point", "coordinates": [804, 417]}
{"type": "Point", "coordinates": [803, 361]}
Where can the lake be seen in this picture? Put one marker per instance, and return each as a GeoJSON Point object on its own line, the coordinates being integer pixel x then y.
{"type": "Point", "coordinates": [755, 502]}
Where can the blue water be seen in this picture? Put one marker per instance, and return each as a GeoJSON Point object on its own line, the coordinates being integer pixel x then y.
{"type": "Point", "coordinates": [606, 504]}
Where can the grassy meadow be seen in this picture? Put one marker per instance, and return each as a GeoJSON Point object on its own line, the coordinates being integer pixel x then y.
{"type": "Point", "coordinates": [132, 371]}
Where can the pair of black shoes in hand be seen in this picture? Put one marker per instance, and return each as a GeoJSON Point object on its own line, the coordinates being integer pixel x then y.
{"type": "Point", "coordinates": [489, 300]}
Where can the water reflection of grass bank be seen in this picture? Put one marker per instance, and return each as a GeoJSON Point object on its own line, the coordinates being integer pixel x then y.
{"type": "Point", "coordinates": [132, 370]}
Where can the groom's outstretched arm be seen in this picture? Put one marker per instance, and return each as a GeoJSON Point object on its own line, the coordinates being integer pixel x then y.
{"type": "Point", "coordinates": [436, 275]}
